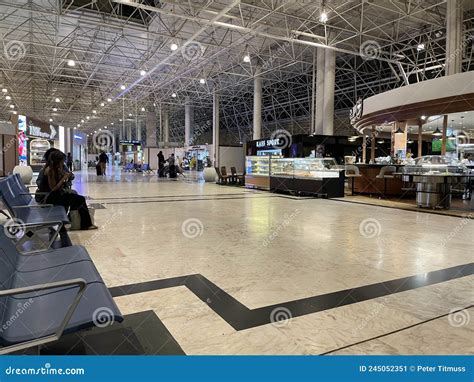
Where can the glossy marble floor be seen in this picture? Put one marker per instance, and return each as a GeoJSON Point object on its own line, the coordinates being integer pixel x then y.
{"type": "Point", "coordinates": [257, 249]}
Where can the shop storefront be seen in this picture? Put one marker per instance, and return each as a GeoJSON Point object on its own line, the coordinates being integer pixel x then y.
{"type": "Point", "coordinates": [34, 139]}
{"type": "Point", "coordinates": [132, 151]}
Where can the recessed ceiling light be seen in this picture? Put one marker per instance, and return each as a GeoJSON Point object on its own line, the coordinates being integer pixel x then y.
{"type": "Point", "coordinates": [105, 127]}
{"type": "Point", "coordinates": [82, 120]}
{"type": "Point", "coordinates": [423, 117]}
{"type": "Point", "coordinates": [51, 120]}
{"type": "Point", "coordinates": [14, 112]}
{"type": "Point", "coordinates": [120, 120]}
{"type": "Point", "coordinates": [112, 123]}
{"type": "Point", "coordinates": [12, 106]}
{"type": "Point", "coordinates": [246, 58]}
{"type": "Point", "coordinates": [143, 72]}
{"type": "Point", "coordinates": [71, 63]}
{"type": "Point", "coordinates": [55, 109]}
{"type": "Point", "coordinates": [174, 47]}
{"type": "Point", "coordinates": [8, 98]}
{"type": "Point", "coordinates": [109, 99]}
{"type": "Point", "coordinates": [94, 111]}
{"type": "Point", "coordinates": [143, 109]}
{"type": "Point", "coordinates": [130, 115]}
{"type": "Point", "coordinates": [202, 81]}
{"type": "Point", "coordinates": [4, 90]}
{"type": "Point", "coordinates": [102, 104]}
{"type": "Point", "coordinates": [122, 87]}
{"type": "Point", "coordinates": [173, 95]}
{"type": "Point", "coordinates": [75, 128]}
{"type": "Point", "coordinates": [420, 47]}
{"type": "Point", "coordinates": [57, 100]}
{"type": "Point", "coordinates": [78, 125]}
{"type": "Point", "coordinates": [87, 117]}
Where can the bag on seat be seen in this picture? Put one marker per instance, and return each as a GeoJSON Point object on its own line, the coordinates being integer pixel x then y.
{"type": "Point", "coordinates": [75, 218]}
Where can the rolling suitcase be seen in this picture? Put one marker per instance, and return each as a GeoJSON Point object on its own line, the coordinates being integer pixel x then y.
{"type": "Point", "coordinates": [98, 169]}
{"type": "Point", "coordinates": [172, 171]}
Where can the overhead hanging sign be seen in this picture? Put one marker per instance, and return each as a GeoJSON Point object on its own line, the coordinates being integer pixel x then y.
{"type": "Point", "coordinates": [38, 129]}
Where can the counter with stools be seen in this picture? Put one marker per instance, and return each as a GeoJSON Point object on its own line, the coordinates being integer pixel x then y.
{"type": "Point", "coordinates": [375, 180]}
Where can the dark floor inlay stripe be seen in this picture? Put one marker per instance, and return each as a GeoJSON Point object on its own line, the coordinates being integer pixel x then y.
{"type": "Point", "coordinates": [240, 317]}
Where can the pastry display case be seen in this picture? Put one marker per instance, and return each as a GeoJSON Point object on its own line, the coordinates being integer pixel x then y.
{"type": "Point", "coordinates": [314, 176]}
{"type": "Point", "coordinates": [257, 172]}
{"type": "Point", "coordinates": [38, 148]}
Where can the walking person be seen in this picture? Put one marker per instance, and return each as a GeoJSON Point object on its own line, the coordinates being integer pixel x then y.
{"type": "Point", "coordinates": [69, 162]}
{"type": "Point", "coordinates": [53, 183]}
{"type": "Point", "coordinates": [161, 164]}
{"type": "Point", "coordinates": [103, 160]}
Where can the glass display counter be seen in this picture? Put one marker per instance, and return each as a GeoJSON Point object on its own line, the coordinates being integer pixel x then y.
{"type": "Point", "coordinates": [257, 172]}
{"type": "Point", "coordinates": [314, 176]}
{"type": "Point", "coordinates": [435, 177]}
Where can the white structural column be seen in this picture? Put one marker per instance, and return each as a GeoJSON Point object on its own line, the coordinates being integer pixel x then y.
{"type": "Point", "coordinates": [188, 122]}
{"type": "Point", "coordinates": [129, 131]}
{"type": "Point", "coordinates": [329, 87]}
{"type": "Point", "coordinates": [454, 43]}
{"type": "Point", "coordinates": [150, 129]}
{"type": "Point", "coordinates": [319, 120]}
{"type": "Point", "coordinates": [215, 127]}
{"type": "Point", "coordinates": [166, 126]}
{"type": "Point", "coordinates": [257, 105]}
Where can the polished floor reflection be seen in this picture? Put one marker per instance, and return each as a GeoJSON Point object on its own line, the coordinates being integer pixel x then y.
{"type": "Point", "coordinates": [262, 250]}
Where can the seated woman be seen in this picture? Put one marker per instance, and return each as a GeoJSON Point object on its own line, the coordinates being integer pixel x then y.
{"type": "Point", "coordinates": [53, 183]}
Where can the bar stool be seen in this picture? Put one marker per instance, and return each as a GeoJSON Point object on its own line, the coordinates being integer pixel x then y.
{"type": "Point", "coordinates": [352, 172]}
{"type": "Point", "coordinates": [386, 172]}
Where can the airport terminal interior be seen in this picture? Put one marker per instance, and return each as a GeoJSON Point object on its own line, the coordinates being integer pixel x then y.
{"type": "Point", "coordinates": [236, 177]}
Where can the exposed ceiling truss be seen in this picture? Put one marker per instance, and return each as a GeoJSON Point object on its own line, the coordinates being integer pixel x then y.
{"type": "Point", "coordinates": [112, 42]}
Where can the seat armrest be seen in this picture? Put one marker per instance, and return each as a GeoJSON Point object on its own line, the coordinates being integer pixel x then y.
{"type": "Point", "coordinates": [81, 283]}
{"type": "Point", "coordinates": [34, 206]}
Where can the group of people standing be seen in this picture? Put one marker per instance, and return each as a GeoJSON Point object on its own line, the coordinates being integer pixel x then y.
{"type": "Point", "coordinates": [173, 170]}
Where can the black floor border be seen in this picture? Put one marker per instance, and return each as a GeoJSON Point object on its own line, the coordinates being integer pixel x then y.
{"type": "Point", "coordinates": [240, 317]}
{"type": "Point", "coordinates": [397, 331]}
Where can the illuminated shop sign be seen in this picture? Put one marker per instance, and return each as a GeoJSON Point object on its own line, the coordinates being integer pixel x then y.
{"type": "Point", "coordinates": [276, 142]}
{"type": "Point", "coordinates": [130, 142]}
{"type": "Point", "coordinates": [38, 132]}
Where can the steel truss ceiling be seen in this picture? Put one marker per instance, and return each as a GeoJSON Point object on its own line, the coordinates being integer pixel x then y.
{"type": "Point", "coordinates": [111, 42]}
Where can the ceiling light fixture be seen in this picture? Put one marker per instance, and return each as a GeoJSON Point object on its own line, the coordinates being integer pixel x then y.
{"type": "Point", "coordinates": [14, 112]}
{"type": "Point", "coordinates": [12, 106]}
{"type": "Point", "coordinates": [420, 47]}
{"type": "Point", "coordinates": [102, 104]}
{"type": "Point", "coordinates": [423, 117]}
{"type": "Point", "coordinates": [173, 95]}
{"type": "Point", "coordinates": [82, 121]}
{"type": "Point", "coordinates": [51, 120]}
{"type": "Point", "coordinates": [57, 100]}
{"type": "Point", "coordinates": [4, 90]}
{"type": "Point", "coordinates": [109, 99]}
{"type": "Point", "coordinates": [323, 17]}
{"type": "Point", "coordinates": [55, 109]}
{"type": "Point", "coordinates": [246, 58]}
{"type": "Point", "coordinates": [437, 133]}
{"type": "Point", "coordinates": [143, 72]}
{"type": "Point", "coordinates": [8, 98]}
{"type": "Point", "coordinates": [87, 117]}
{"type": "Point", "coordinates": [143, 109]}
{"type": "Point", "coordinates": [202, 81]}
{"type": "Point", "coordinates": [174, 47]}
{"type": "Point", "coordinates": [122, 87]}
{"type": "Point", "coordinates": [71, 63]}
{"type": "Point", "coordinates": [94, 111]}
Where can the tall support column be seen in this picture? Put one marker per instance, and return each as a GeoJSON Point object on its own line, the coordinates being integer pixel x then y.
{"type": "Point", "coordinates": [129, 131]}
{"type": "Point", "coordinates": [364, 148]}
{"type": "Point", "coordinates": [257, 105]}
{"type": "Point", "coordinates": [215, 127]}
{"type": "Point", "coordinates": [420, 139]}
{"type": "Point", "coordinates": [313, 95]}
{"type": "Point", "coordinates": [150, 129]}
{"type": "Point", "coordinates": [160, 122]}
{"type": "Point", "coordinates": [372, 145]}
{"type": "Point", "coordinates": [166, 126]}
{"type": "Point", "coordinates": [443, 136]}
{"type": "Point", "coordinates": [329, 88]}
{"type": "Point", "coordinates": [454, 43]}
{"type": "Point", "coordinates": [319, 119]}
{"type": "Point", "coordinates": [188, 122]}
